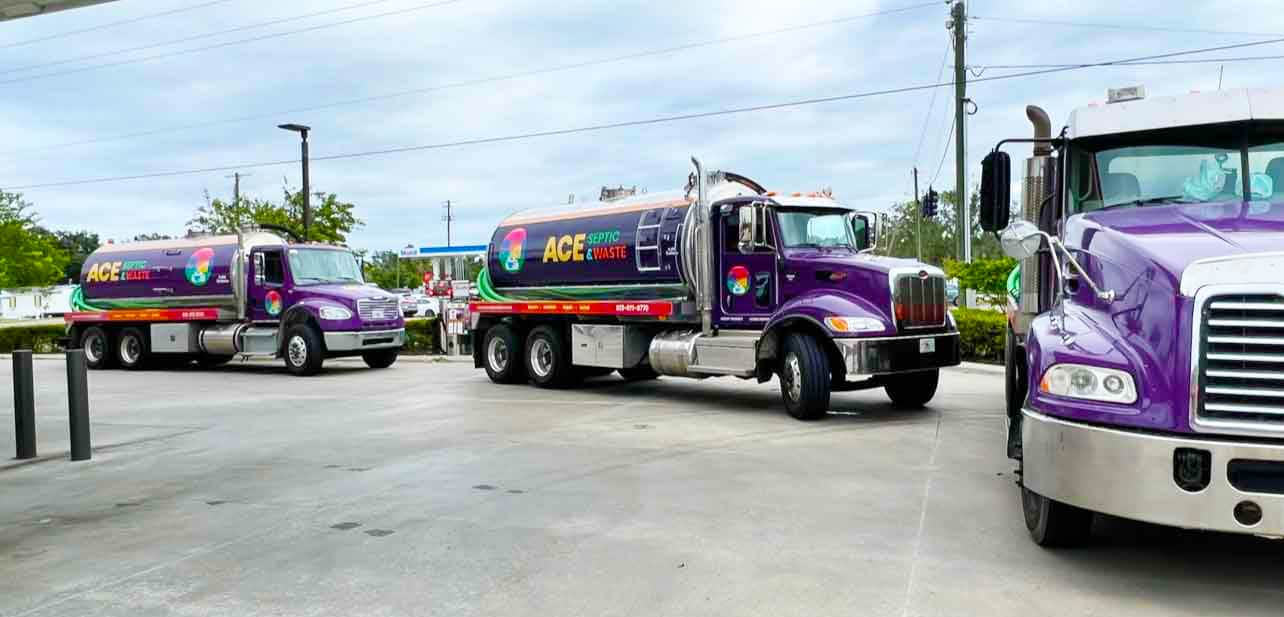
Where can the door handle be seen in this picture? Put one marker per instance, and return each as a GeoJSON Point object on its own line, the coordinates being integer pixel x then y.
{"type": "Point", "coordinates": [163, 290]}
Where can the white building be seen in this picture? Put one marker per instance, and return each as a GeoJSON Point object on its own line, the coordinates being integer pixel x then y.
{"type": "Point", "coordinates": [36, 302]}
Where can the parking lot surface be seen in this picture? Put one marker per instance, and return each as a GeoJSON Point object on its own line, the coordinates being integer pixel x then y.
{"type": "Point", "coordinates": [424, 489]}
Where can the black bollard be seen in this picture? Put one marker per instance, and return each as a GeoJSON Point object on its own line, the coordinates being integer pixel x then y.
{"type": "Point", "coordinates": [78, 403]}
{"type": "Point", "coordinates": [24, 404]}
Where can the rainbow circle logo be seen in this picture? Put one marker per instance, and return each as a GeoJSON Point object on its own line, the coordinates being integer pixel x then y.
{"type": "Point", "coordinates": [198, 267]}
{"type": "Point", "coordinates": [272, 302]}
{"type": "Point", "coordinates": [738, 280]}
{"type": "Point", "coordinates": [511, 255]}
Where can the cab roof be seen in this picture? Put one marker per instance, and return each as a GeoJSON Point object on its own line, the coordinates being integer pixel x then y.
{"type": "Point", "coordinates": [1193, 109]}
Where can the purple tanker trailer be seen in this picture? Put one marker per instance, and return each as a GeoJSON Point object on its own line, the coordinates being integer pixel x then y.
{"type": "Point", "coordinates": [722, 278]}
{"type": "Point", "coordinates": [210, 299]}
{"type": "Point", "coordinates": [1146, 346]}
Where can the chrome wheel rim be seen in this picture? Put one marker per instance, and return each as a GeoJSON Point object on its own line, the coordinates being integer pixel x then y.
{"type": "Point", "coordinates": [130, 349]}
{"type": "Point", "coordinates": [297, 350]}
{"type": "Point", "coordinates": [793, 377]}
{"type": "Point", "coordinates": [541, 357]}
{"type": "Point", "coordinates": [95, 348]}
{"type": "Point", "coordinates": [497, 354]}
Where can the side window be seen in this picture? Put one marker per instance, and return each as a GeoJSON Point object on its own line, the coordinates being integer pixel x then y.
{"type": "Point", "coordinates": [273, 268]}
{"type": "Point", "coordinates": [731, 232]}
{"type": "Point", "coordinates": [860, 231]}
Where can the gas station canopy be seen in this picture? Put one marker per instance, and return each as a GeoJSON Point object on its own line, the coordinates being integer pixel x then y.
{"type": "Point", "coordinates": [15, 9]}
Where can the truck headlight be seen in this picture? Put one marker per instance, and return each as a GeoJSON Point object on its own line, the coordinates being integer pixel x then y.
{"type": "Point", "coordinates": [854, 324]}
{"type": "Point", "coordinates": [1090, 383]}
{"type": "Point", "coordinates": [334, 313]}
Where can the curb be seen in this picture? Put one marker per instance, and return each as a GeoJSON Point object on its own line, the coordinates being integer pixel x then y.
{"type": "Point", "coordinates": [979, 367]}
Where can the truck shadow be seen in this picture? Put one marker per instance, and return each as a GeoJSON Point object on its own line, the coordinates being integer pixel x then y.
{"type": "Point", "coordinates": [1202, 563]}
{"type": "Point", "coordinates": [845, 407]}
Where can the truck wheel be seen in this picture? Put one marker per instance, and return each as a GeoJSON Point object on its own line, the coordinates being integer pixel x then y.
{"type": "Point", "coordinates": [380, 359]}
{"type": "Point", "coordinates": [303, 353]}
{"type": "Point", "coordinates": [641, 372]}
{"type": "Point", "coordinates": [548, 360]}
{"type": "Point", "coordinates": [805, 378]}
{"type": "Point", "coordinates": [131, 349]}
{"type": "Point", "coordinates": [502, 354]}
{"type": "Point", "coordinates": [97, 346]}
{"type": "Point", "coordinates": [1055, 524]}
{"type": "Point", "coordinates": [912, 390]}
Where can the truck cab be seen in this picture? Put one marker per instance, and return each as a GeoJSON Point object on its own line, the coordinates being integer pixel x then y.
{"type": "Point", "coordinates": [1146, 334]}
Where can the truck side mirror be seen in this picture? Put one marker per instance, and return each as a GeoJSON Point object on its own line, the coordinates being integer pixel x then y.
{"type": "Point", "coordinates": [996, 191]}
{"type": "Point", "coordinates": [1021, 240]}
{"type": "Point", "coordinates": [748, 221]}
{"type": "Point", "coordinates": [760, 229]}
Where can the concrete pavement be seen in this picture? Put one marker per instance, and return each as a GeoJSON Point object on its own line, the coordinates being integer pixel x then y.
{"type": "Point", "coordinates": [425, 489]}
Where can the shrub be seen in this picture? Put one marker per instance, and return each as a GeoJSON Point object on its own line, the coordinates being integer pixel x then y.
{"type": "Point", "coordinates": [421, 336]}
{"type": "Point", "coordinates": [981, 334]}
{"type": "Point", "coordinates": [37, 338]}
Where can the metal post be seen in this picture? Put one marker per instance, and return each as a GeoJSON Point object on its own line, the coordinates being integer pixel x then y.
{"type": "Point", "coordinates": [78, 404]}
{"type": "Point", "coordinates": [307, 196]}
{"type": "Point", "coordinates": [963, 225]}
{"type": "Point", "coordinates": [918, 205]}
{"type": "Point", "coordinates": [24, 404]}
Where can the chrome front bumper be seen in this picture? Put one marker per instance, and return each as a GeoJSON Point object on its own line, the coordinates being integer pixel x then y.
{"type": "Point", "coordinates": [865, 357]}
{"type": "Point", "coordinates": [1131, 475]}
{"type": "Point", "coordinates": [365, 341]}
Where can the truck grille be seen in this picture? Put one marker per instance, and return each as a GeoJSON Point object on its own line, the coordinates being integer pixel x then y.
{"type": "Point", "coordinates": [378, 309]}
{"type": "Point", "coordinates": [1241, 361]}
{"type": "Point", "coordinates": [919, 301]}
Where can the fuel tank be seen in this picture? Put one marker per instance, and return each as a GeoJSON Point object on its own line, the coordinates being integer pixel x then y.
{"type": "Point", "coordinates": [193, 272]}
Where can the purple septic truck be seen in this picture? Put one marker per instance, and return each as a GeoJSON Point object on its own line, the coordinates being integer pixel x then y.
{"type": "Point", "coordinates": [722, 278]}
{"type": "Point", "coordinates": [209, 299]}
{"type": "Point", "coordinates": [1145, 353]}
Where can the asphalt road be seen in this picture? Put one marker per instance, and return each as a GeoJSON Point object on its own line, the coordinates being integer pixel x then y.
{"type": "Point", "coordinates": [424, 489]}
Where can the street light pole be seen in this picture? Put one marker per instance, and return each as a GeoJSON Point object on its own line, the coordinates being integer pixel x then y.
{"type": "Point", "coordinates": [307, 196]}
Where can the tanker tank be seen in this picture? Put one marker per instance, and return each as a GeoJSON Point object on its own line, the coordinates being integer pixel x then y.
{"type": "Point", "coordinates": [186, 273]}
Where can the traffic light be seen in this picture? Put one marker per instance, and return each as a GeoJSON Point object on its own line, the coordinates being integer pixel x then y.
{"type": "Point", "coordinates": [930, 202]}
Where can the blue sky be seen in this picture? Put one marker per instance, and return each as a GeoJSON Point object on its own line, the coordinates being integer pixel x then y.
{"type": "Point", "coordinates": [863, 148]}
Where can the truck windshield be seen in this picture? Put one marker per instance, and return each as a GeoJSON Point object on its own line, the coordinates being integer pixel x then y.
{"type": "Point", "coordinates": [315, 266]}
{"type": "Point", "coordinates": [818, 228]}
{"type": "Point", "coordinates": [1178, 167]}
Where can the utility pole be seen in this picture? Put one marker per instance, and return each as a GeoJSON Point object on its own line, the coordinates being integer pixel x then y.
{"type": "Point", "coordinates": [236, 186]}
{"type": "Point", "coordinates": [918, 205]}
{"type": "Point", "coordinates": [448, 217]}
{"type": "Point", "coordinates": [958, 24]}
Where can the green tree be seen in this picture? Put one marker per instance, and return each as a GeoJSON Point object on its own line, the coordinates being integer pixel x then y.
{"type": "Point", "coordinates": [78, 245]}
{"type": "Point", "coordinates": [332, 219]}
{"type": "Point", "coordinates": [900, 238]}
{"type": "Point", "coordinates": [988, 276]}
{"type": "Point", "coordinates": [29, 255]}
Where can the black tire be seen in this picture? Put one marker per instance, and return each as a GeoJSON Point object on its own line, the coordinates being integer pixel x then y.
{"type": "Point", "coordinates": [805, 381]}
{"type": "Point", "coordinates": [98, 350]}
{"type": "Point", "coordinates": [383, 358]}
{"type": "Point", "coordinates": [641, 372]}
{"type": "Point", "coordinates": [131, 349]}
{"type": "Point", "coordinates": [912, 390]}
{"type": "Point", "coordinates": [506, 366]}
{"type": "Point", "coordinates": [548, 358]}
{"type": "Point", "coordinates": [1054, 524]}
{"type": "Point", "coordinates": [1014, 391]}
{"type": "Point", "coordinates": [303, 350]}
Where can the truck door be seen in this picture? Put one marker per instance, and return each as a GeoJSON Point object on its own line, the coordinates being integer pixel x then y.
{"type": "Point", "coordinates": [749, 286]}
{"type": "Point", "coordinates": [264, 297]}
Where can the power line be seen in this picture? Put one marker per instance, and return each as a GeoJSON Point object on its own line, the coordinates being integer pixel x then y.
{"type": "Point", "coordinates": [219, 45]}
{"type": "Point", "coordinates": [1080, 24]}
{"type": "Point", "coordinates": [987, 67]}
{"type": "Point", "coordinates": [945, 153]}
{"type": "Point", "coordinates": [132, 20]}
{"type": "Point", "coordinates": [927, 121]}
{"type": "Point", "coordinates": [483, 80]}
{"type": "Point", "coordinates": [631, 123]}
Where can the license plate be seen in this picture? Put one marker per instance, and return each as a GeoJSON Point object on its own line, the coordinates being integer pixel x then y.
{"type": "Point", "coordinates": [927, 345]}
{"type": "Point", "coordinates": [377, 315]}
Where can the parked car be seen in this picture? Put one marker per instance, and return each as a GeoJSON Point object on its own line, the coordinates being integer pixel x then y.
{"type": "Point", "coordinates": [952, 291]}
{"type": "Point", "coordinates": [409, 305]}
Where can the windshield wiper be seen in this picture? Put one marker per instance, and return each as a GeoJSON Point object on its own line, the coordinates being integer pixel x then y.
{"type": "Point", "coordinates": [1150, 201]}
